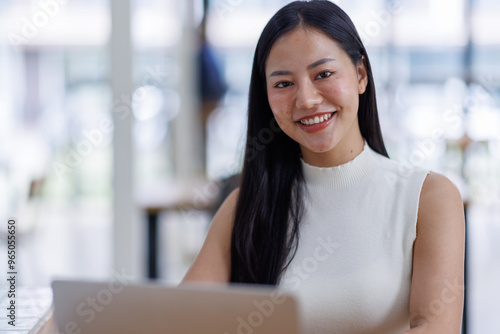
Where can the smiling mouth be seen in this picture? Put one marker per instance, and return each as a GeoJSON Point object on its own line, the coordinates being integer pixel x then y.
{"type": "Point", "coordinates": [317, 119]}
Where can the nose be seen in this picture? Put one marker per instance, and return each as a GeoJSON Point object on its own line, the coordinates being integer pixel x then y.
{"type": "Point", "coordinates": [307, 96]}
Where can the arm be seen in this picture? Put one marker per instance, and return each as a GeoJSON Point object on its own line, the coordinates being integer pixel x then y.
{"type": "Point", "coordinates": [213, 263]}
{"type": "Point", "coordinates": [436, 300]}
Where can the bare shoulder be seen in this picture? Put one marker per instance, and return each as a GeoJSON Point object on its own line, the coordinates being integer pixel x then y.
{"type": "Point", "coordinates": [213, 263]}
{"type": "Point", "coordinates": [222, 223]}
{"type": "Point", "coordinates": [229, 204]}
{"type": "Point", "coordinates": [438, 184]}
{"type": "Point", "coordinates": [440, 202]}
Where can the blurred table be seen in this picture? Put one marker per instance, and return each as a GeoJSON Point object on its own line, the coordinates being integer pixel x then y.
{"type": "Point", "coordinates": [173, 196]}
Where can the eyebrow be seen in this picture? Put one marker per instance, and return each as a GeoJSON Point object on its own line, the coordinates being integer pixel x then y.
{"type": "Point", "coordinates": [309, 67]}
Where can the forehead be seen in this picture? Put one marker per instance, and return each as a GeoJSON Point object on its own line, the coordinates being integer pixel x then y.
{"type": "Point", "coordinates": [302, 47]}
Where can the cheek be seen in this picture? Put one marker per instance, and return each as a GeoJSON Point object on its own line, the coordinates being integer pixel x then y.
{"type": "Point", "coordinates": [281, 124]}
{"type": "Point", "coordinates": [280, 117]}
{"type": "Point", "coordinates": [279, 106]}
{"type": "Point", "coordinates": [343, 93]}
{"type": "Point", "coordinates": [334, 91]}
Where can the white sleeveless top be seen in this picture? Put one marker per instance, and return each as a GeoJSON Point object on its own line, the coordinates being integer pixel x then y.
{"type": "Point", "coordinates": [352, 270]}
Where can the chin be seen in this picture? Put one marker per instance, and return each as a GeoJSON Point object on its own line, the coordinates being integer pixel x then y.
{"type": "Point", "coordinates": [320, 149]}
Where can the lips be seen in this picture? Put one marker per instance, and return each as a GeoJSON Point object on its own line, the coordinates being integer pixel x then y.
{"type": "Point", "coordinates": [311, 120]}
{"type": "Point", "coordinates": [315, 123]}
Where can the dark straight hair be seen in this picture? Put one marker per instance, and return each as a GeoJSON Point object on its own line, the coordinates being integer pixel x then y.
{"type": "Point", "coordinates": [269, 208]}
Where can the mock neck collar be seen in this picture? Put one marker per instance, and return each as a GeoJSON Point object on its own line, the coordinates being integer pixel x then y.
{"type": "Point", "coordinates": [344, 175]}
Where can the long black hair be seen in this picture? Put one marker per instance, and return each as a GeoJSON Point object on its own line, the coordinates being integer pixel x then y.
{"type": "Point", "coordinates": [269, 209]}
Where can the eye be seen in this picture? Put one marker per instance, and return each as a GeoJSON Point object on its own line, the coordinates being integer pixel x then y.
{"type": "Point", "coordinates": [283, 84]}
{"type": "Point", "coordinates": [324, 75]}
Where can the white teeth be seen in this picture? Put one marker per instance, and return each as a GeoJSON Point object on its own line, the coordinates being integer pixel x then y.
{"type": "Point", "coordinates": [316, 120]}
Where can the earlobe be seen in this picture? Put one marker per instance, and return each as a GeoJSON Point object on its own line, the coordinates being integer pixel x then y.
{"type": "Point", "coordinates": [362, 76]}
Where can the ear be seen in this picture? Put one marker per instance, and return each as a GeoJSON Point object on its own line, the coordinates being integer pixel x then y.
{"type": "Point", "coordinates": [362, 76]}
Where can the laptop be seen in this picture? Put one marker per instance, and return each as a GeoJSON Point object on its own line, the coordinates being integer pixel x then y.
{"type": "Point", "coordinates": [84, 307]}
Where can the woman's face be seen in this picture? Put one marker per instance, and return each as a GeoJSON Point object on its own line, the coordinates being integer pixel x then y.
{"type": "Point", "coordinates": [313, 90]}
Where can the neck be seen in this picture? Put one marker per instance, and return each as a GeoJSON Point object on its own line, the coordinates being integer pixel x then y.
{"type": "Point", "coordinates": [343, 152]}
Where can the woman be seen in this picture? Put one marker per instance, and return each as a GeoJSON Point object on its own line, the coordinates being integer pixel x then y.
{"type": "Point", "coordinates": [367, 245]}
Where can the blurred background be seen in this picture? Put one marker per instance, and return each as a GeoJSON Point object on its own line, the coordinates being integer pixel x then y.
{"type": "Point", "coordinates": [122, 123]}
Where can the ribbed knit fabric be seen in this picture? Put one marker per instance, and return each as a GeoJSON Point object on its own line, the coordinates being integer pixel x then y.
{"type": "Point", "coordinates": [352, 270]}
